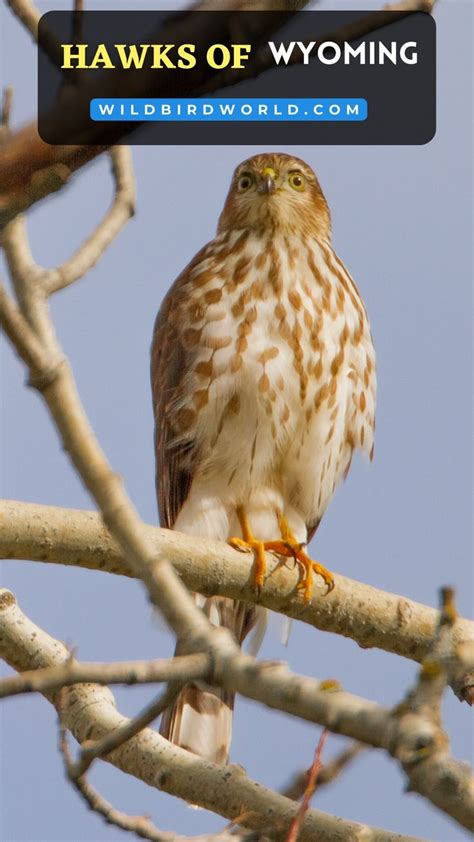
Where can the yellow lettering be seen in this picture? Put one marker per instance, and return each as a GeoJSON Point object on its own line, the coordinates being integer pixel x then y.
{"type": "Point", "coordinates": [160, 56]}
{"type": "Point", "coordinates": [69, 56]}
{"type": "Point", "coordinates": [102, 57]}
{"type": "Point", "coordinates": [225, 56]}
{"type": "Point", "coordinates": [132, 59]}
{"type": "Point", "coordinates": [187, 58]}
{"type": "Point", "coordinates": [239, 58]}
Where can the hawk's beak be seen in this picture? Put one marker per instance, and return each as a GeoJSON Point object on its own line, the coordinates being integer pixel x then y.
{"type": "Point", "coordinates": [267, 182]}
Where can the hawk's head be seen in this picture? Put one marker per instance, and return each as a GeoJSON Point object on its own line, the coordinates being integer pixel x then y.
{"type": "Point", "coordinates": [275, 190]}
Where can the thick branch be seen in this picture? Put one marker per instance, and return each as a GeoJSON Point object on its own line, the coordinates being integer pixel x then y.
{"type": "Point", "coordinates": [52, 377]}
{"type": "Point", "coordinates": [139, 825]}
{"type": "Point", "coordinates": [91, 714]}
{"type": "Point", "coordinates": [416, 741]}
{"type": "Point", "coordinates": [371, 617]}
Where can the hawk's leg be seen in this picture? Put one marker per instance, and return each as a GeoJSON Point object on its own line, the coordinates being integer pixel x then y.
{"type": "Point", "coordinates": [296, 550]}
{"type": "Point", "coordinates": [288, 547]}
{"type": "Point", "coordinates": [248, 543]}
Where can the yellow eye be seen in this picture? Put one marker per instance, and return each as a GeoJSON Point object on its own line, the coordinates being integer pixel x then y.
{"type": "Point", "coordinates": [296, 180]}
{"type": "Point", "coordinates": [245, 181]}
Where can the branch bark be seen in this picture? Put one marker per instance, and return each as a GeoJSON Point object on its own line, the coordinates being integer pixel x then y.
{"type": "Point", "coordinates": [180, 668]}
{"type": "Point", "coordinates": [370, 617]}
{"type": "Point", "coordinates": [416, 741]}
{"type": "Point", "coordinates": [91, 714]}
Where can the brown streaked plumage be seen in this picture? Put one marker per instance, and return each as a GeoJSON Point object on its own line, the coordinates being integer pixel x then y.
{"type": "Point", "coordinates": [263, 379]}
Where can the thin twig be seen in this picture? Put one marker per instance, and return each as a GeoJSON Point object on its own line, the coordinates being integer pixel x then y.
{"type": "Point", "coordinates": [140, 825]}
{"type": "Point", "coordinates": [20, 334]}
{"type": "Point", "coordinates": [327, 773]}
{"type": "Point", "coordinates": [123, 207]}
{"type": "Point", "coordinates": [7, 106]}
{"type": "Point", "coordinates": [423, 752]}
{"type": "Point", "coordinates": [298, 819]}
{"type": "Point", "coordinates": [29, 15]}
{"type": "Point", "coordinates": [5, 114]}
{"type": "Point", "coordinates": [180, 668]}
{"type": "Point", "coordinates": [91, 750]}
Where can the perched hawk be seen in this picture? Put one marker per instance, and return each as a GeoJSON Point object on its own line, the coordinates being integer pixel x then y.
{"type": "Point", "coordinates": [263, 379]}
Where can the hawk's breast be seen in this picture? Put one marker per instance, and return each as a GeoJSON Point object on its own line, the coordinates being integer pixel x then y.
{"type": "Point", "coordinates": [282, 379]}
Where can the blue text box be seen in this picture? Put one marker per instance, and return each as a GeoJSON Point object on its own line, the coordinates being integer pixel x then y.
{"type": "Point", "coordinates": [228, 109]}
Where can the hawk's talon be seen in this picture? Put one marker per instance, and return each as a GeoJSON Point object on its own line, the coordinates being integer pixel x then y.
{"type": "Point", "coordinates": [240, 545]}
{"type": "Point", "coordinates": [288, 547]}
{"type": "Point", "coordinates": [249, 544]}
{"type": "Point", "coordinates": [308, 568]}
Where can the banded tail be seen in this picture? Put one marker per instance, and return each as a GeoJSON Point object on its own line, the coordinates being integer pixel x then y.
{"type": "Point", "coordinates": [200, 719]}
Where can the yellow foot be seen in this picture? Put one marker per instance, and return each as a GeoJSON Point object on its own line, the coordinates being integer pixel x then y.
{"type": "Point", "coordinates": [287, 547]}
{"type": "Point", "coordinates": [259, 549]}
{"type": "Point", "coordinates": [308, 566]}
{"type": "Point", "coordinates": [248, 543]}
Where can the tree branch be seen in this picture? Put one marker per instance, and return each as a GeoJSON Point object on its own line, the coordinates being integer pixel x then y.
{"type": "Point", "coordinates": [371, 617]}
{"type": "Point", "coordinates": [53, 379]}
{"type": "Point", "coordinates": [91, 714]}
{"type": "Point", "coordinates": [328, 772]}
{"type": "Point", "coordinates": [415, 740]}
{"type": "Point", "coordinates": [123, 207]}
{"type": "Point", "coordinates": [311, 783]}
{"type": "Point", "coordinates": [427, 763]}
{"type": "Point", "coordinates": [139, 825]}
{"type": "Point", "coordinates": [20, 334]}
{"type": "Point", "coordinates": [180, 668]}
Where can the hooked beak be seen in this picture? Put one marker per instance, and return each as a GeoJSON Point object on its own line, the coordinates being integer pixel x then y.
{"type": "Point", "coordinates": [267, 182]}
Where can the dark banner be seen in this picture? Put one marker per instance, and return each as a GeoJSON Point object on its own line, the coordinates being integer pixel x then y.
{"type": "Point", "coordinates": [250, 77]}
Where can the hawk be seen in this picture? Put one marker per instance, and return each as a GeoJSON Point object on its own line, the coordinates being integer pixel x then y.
{"type": "Point", "coordinates": [263, 381]}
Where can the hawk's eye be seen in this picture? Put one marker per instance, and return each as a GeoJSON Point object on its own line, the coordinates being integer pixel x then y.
{"type": "Point", "coordinates": [245, 181]}
{"type": "Point", "coordinates": [297, 181]}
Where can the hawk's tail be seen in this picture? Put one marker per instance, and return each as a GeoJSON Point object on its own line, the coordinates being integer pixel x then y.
{"type": "Point", "coordinates": [200, 719]}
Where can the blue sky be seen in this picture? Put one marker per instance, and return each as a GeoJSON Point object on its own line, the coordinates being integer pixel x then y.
{"type": "Point", "coordinates": [402, 220]}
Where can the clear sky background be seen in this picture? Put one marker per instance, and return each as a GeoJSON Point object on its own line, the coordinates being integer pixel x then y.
{"type": "Point", "coordinates": [402, 223]}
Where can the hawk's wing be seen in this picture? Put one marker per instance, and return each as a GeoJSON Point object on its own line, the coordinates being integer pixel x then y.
{"type": "Point", "coordinates": [170, 362]}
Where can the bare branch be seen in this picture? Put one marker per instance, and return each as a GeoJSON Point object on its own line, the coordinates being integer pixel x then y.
{"type": "Point", "coordinates": [21, 335]}
{"type": "Point", "coordinates": [28, 14]}
{"type": "Point", "coordinates": [123, 207]}
{"type": "Point", "coordinates": [140, 825]}
{"type": "Point", "coordinates": [309, 790]}
{"type": "Point", "coordinates": [26, 277]}
{"type": "Point", "coordinates": [424, 756]}
{"type": "Point", "coordinates": [91, 750]}
{"type": "Point", "coordinates": [371, 617]}
{"type": "Point", "coordinates": [327, 773]}
{"type": "Point", "coordinates": [5, 114]}
{"type": "Point", "coordinates": [6, 106]}
{"type": "Point", "coordinates": [180, 668]}
{"type": "Point", "coordinates": [54, 380]}
{"type": "Point", "coordinates": [413, 739]}
{"type": "Point", "coordinates": [31, 281]}
{"type": "Point", "coordinates": [91, 714]}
